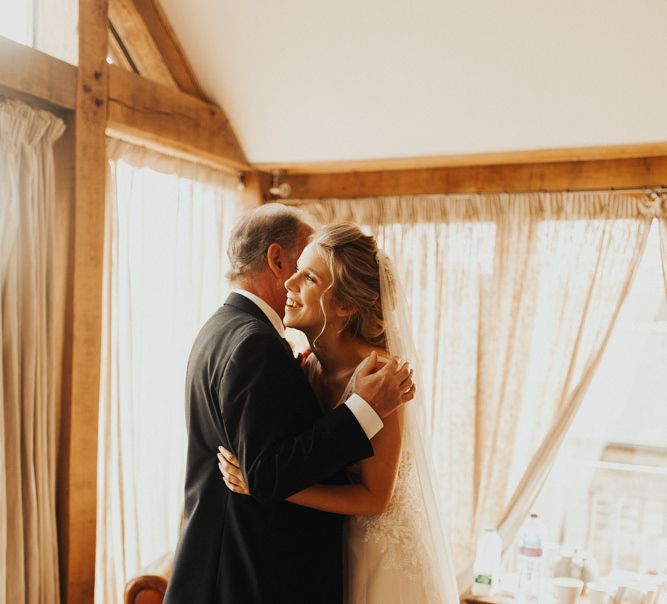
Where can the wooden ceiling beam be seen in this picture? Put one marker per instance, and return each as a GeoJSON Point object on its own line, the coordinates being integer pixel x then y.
{"type": "Point", "coordinates": [29, 71]}
{"type": "Point", "coordinates": [626, 173]}
{"type": "Point", "coordinates": [139, 43]}
{"type": "Point", "coordinates": [145, 111]}
{"type": "Point", "coordinates": [166, 41]}
{"type": "Point", "coordinates": [166, 118]}
{"type": "Point", "coordinates": [533, 156]}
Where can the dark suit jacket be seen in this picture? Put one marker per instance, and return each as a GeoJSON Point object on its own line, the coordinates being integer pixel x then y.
{"type": "Point", "coordinates": [244, 390]}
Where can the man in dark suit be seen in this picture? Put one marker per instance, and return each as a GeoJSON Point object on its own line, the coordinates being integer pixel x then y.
{"type": "Point", "coordinates": [245, 390]}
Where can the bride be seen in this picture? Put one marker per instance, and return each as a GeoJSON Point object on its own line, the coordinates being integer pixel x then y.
{"type": "Point", "coordinates": [345, 298]}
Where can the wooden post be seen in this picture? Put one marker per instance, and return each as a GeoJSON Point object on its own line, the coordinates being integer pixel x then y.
{"type": "Point", "coordinates": [256, 190]}
{"type": "Point", "coordinates": [77, 488]}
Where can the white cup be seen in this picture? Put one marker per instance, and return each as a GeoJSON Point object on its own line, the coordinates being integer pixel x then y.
{"type": "Point", "coordinates": [650, 593]}
{"type": "Point", "coordinates": [634, 595]}
{"type": "Point", "coordinates": [619, 594]}
{"type": "Point", "coordinates": [598, 592]}
{"type": "Point", "coordinates": [628, 594]}
{"type": "Point", "coordinates": [567, 590]}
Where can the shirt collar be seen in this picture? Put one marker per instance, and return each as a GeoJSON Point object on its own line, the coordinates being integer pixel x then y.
{"type": "Point", "coordinates": [271, 314]}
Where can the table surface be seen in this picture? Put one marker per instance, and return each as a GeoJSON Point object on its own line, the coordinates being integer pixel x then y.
{"type": "Point", "coordinates": [470, 599]}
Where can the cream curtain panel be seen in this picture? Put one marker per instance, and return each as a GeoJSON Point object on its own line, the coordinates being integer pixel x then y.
{"type": "Point", "coordinates": [29, 372]}
{"type": "Point", "coordinates": [513, 298]}
{"type": "Point", "coordinates": [167, 227]}
{"type": "Point", "coordinates": [660, 211]}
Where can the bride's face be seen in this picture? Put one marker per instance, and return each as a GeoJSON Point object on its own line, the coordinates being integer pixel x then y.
{"type": "Point", "coordinates": [309, 299]}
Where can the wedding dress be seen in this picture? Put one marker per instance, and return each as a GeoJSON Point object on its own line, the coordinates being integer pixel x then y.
{"type": "Point", "coordinates": [400, 556]}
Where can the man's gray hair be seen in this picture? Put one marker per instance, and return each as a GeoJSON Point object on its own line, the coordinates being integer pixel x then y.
{"type": "Point", "coordinates": [255, 232]}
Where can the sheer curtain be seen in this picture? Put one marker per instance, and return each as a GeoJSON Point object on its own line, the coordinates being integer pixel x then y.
{"type": "Point", "coordinates": [29, 319]}
{"type": "Point", "coordinates": [661, 215]}
{"type": "Point", "coordinates": [167, 227]}
{"type": "Point", "coordinates": [607, 485]}
{"type": "Point", "coordinates": [513, 300]}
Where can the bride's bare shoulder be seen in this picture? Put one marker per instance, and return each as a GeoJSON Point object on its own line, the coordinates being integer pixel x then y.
{"type": "Point", "coordinates": [383, 355]}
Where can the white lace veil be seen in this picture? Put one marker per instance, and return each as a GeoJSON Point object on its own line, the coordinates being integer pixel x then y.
{"type": "Point", "coordinates": [428, 518]}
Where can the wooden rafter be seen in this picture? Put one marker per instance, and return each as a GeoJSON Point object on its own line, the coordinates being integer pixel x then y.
{"type": "Point", "coordinates": [138, 42]}
{"type": "Point", "coordinates": [167, 118]}
{"type": "Point", "coordinates": [118, 52]}
{"type": "Point", "coordinates": [160, 29]}
{"type": "Point", "coordinates": [144, 31]}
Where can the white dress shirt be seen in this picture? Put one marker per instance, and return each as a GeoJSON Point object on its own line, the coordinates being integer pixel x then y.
{"type": "Point", "coordinates": [369, 421]}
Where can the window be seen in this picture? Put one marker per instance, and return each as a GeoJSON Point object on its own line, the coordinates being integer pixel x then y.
{"type": "Point", "coordinates": [607, 493]}
{"type": "Point", "coordinates": [166, 261]}
{"type": "Point", "coordinates": [16, 21]}
{"type": "Point", "coordinates": [47, 25]}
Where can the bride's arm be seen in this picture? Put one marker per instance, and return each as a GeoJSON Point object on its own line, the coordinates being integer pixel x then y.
{"type": "Point", "coordinates": [370, 497]}
{"type": "Point", "coordinates": [378, 477]}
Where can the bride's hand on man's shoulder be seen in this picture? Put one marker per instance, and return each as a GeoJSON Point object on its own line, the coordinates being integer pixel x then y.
{"type": "Point", "coordinates": [229, 467]}
{"type": "Point", "coordinates": [385, 387]}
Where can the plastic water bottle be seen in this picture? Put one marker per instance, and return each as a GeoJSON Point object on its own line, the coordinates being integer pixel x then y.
{"type": "Point", "coordinates": [530, 561]}
{"type": "Point", "coordinates": [487, 562]}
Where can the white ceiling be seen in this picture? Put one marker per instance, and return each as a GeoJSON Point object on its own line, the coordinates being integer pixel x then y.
{"type": "Point", "coordinates": [309, 80]}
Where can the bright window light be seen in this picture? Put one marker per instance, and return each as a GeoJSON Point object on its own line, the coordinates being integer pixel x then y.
{"type": "Point", "coordinates": [16, 20]}
{"type": "Point", "coordinates": [607, 493]}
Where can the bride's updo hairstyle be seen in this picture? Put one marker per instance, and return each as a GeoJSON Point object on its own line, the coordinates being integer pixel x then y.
{"type": "Point", "coordinates": [352, 257]}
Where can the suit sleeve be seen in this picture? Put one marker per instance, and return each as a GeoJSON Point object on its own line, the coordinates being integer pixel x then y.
{"type": "Point", "coordinates": [257, 392]}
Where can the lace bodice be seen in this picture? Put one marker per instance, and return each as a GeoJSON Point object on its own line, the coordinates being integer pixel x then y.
{"type": "Point", "coordinates": [397, 533]}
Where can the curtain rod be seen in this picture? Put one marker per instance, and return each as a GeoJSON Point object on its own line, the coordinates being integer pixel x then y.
{"type": "Point", "coordinates": [645, 190]}
{"type": "Point", "coordinates": [139, 141]}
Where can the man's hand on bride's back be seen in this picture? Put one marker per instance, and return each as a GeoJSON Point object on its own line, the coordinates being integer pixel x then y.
{"type": "Point", "coordinates": [385, 387]}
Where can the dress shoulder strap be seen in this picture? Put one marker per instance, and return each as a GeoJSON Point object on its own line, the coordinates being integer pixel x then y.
{"type": "Point", "coordinates": [350, 385]}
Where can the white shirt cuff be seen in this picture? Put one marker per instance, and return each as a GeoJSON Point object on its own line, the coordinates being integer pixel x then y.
{"type": "Point", "coordinates": [369, 421]}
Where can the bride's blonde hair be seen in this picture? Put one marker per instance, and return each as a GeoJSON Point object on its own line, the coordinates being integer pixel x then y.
{"type": "Point", "coordinates": [352, 257]}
